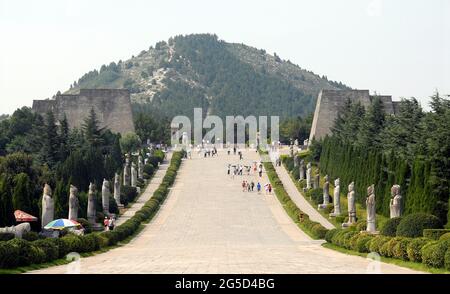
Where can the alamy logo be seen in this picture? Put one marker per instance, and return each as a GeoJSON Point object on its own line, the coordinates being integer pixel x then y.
{"type": "Point", "coordinates": [243, 132]}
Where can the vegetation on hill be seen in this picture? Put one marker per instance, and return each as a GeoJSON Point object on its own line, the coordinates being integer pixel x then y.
{"type": "Point", "coordinates": [222, 78]}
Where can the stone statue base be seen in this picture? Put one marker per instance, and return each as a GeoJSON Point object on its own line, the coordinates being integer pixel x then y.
{"type": "Point", "coordinates": [97, 227]}
{"type": "Point", "coordinates": [334, 214]}
{"type": "Point", "coordinates": [322, 206]}
{"type": "Point", "coordinates": [372, 233]}
{"type": "Point", "coordinates": [347, 225]}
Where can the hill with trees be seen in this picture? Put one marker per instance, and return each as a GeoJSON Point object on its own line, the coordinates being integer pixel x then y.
{"type": "Point", "coordinates": [222, 78]}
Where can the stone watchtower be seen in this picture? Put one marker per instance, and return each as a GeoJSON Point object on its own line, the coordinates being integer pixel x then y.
{"type": "Point", "coordinates": [112, 106]}
{"type": "Point", "coordinates": [330, 102]}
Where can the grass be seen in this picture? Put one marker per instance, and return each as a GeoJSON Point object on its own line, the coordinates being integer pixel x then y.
{"type": "Point", "coordinates": [407, 264]}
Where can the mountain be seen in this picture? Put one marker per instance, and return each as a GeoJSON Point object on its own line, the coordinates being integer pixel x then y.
{"type": "Point", "coordinates": [223, 78]}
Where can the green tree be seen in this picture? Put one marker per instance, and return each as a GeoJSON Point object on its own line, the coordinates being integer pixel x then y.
{"type": "Point", "coordinates": [22, 193]}
{"type": "Point", "coordinates": [92, 131]}
{"type": "Point", "coordinates": [6, 206]}
{"type": "Point", "coordinates": [130, 142]}
{"type": "Point", "coordinates": [51, 138]}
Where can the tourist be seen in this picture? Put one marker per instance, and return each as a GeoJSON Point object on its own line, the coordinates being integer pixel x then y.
{"type": "Point", "coordinates": [258, 187]}
{"type": "Point", "coordinates": [106, 223]}
{"type": "Point", "coordinates": [111, 223]}
{"type": "Point", "coordinates": [228, 169]}
{"type": "Point", "coordinates": [240, 155]}
{"type": "Point", "coordinates": [248, 187]}
{"type": "Point", "coordinates": [252, 184]}
{"type": "Point", "coordinates": [270, 188]}
{"type": "Point", "coordinates": [243, 186]}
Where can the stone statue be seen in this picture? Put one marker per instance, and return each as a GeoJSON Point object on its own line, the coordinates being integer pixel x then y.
{"type": "Point", "coordinates": [296, 160]}
{"type": "Point", "coordinates": [91, 212]}
{"type": "Point", "coordinates": [18, 230]}
{"type": "Point", "coordinates": [370, 204]}
{"type": "Point", "coordinates": [316, 182]}
{"type": "Point", "coordinates": [133, 175]}
{"type": "Point", "coordinates": [48, 206]}
{"type": "Point", "coordinates": [396, 202]}
{"type": "Point", "coordinates": [73, 203]}
{"type": "Point", "coordinates": [308, 175]}
{"type": "Point", "coordinates": [140, 167]}
{"type": "Point", "coordinates": [126, 172]}
{"type": "Point", "coordinates": [117, 189]}
{"type": "Point", "coordinates": [106, 192]}
{"type": "Point", "coordinates": [291, 150]}
{"type": "Point", "coordinates": [351, 203]}
{"type": "Point", "coordinates": [302, 169]}
{"type": "Point", "coordinates": [337, 198]}
{"type": "Point", "coordinates": [326, 191]}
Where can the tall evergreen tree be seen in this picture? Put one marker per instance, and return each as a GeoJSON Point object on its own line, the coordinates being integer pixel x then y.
{"type": "Point", "coordinates": [23, 193]}
{"type": "Point", "coordinates": [92, 131]}
{"type": "Point", "coordinates": [371, 126]}
{"type": "Point", "coordinates": [64, 148]}
{"type": "Point", "coordinates": [51, 145]}
{"type": "Point", "coordinates": [6, 206]}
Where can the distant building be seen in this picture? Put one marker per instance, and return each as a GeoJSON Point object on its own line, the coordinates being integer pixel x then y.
{"type": "Point", "coordinates": [112, 107]}
{"type": "Point", "coordinates": [330, 102]}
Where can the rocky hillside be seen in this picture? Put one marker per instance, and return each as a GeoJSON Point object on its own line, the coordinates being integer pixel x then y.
{"type": "Point", "coordinates": [173, 77]}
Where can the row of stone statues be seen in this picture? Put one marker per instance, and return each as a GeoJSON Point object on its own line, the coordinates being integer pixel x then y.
{"type": "Point", "coordinates": [48, 205]}
{"type": "Point", "coordinates": [130, 173]}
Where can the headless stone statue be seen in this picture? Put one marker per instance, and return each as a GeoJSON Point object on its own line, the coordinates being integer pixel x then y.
{"type": "Point", "coordinates": [140, 167]}
{"type": "Point", "coordinates": [302, 169]}
{"type": "Point", "coordinates": [117, 189]}
{"type": "Point", "coordinates": [133, 175]}
{"type": "Point", "coordinates": [396, 202]}
{"type": "Point", "coordinates": [48, 206]}
{"type": "Point", "coordinates": [316, 181]}
{"type": "Point", "coordinates": [370, 204]}
{"type": "Point", "coordinates": [291, 150]}
{"type": "Point", "coordinates": [351, 206]}
{"type": "Point", "coordinates": [18, 230]}
{"type": "Point", "coordinates": [326, 191]}
{"type": "Point", "coordinates": [126, 172]}
{"type": "Point", "coordinates": [106, 192]}
{"type": "Point", "coordinates": [296, 160]}
{"type": "Point", "coordinates": [308, 176]}
{"type": "Point", "coordinates": [336, 198]}
{"type": "Point", "coordinates": [91, 211]}
{"type": "Point", "coordinates": [73, 203]}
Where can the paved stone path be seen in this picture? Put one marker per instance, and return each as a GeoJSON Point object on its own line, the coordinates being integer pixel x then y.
{"type": "Point", "coordinates": [208, 225]}
{"type": "Point", "coordinates": [147, 194]}
{"type": "Point", "coordinates": [298, 198]}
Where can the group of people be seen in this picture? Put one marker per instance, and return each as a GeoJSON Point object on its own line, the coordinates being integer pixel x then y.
{"type": "Point", "coordinates": [250, 187]}
{"type": "Point", "coordinates": [109, 223]}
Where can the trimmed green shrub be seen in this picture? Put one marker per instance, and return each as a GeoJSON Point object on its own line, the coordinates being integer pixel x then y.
{"type": "Point", "coordinates": [8, 255]}
{"type": "Point", "coordinates": [129, 193]}
{"type": "Point", "coordinates": [400, 248]}
{"type": "Point", "coordinates": [434, 234]}
{"type": "Point", "coordinates": [414, 249]}
{"type": "Point", "coordinates": [30, 236]}
{"type": "Point", "coordinates": [390, 227]}
{"type": "Point", "coordinates": [377, 242]}
{"type": "Point", "coordinates": [387, 249]}
{"type": "Point", "coordinates": [361, 225]}
{"type": "Point", "coordinates": [149, 169]}
{"type": "Point", "coordinates": [340, 219]}
{"type": "Point", "coordinates": [446, 236]}
{"type": "Point", "coordinates": [49, 247]}
{"type": "Point", "coordinates": [433, 253]}
{"type": "Point", "coordinates": [316, 195]}
{"type": "Point", "coordinates": [319, 231]}
{"type": "Point", "coordinates": [6, 236]}
{"type": "Point", "coordinates": [413, 224]}
{"type": "Point", "coordinates": [347, 237]}
{"type": "Point", "coordinates": [27, 253]}
{"type": "Point", "coordinates": [447, 260]}
{"type": "Point", "coordinates": [362, 243]}
{"type": "Point", "coordinates": [329, 235]}
{"type": "Point", "coordinates": [72, 243]}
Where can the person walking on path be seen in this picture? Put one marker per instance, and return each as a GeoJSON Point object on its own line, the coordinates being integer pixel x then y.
{"type": "Point", "coordinates": [111, 223]}
{"type": "Point", "coordinates": [270, 188]}
{"type": "Point", "coordinates": [228, 169]}
{"type": "Point", "coordinates": [243, 186]}
{"type": "Point", "coordinates": [258, 187]}
{"type": "Point", "coordinates": [106, 223]}
{"type": "Point", "coordinates": [252, 185]}
{"type": "Point", "coordinates": [248, 187]}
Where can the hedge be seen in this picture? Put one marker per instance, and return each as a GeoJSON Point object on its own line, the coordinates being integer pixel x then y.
{"type": "Point", "coordinates": [390, 227]}
{"type": "Point", "coordinates": [413, 224]}
{"type": "Point", "coordinates": [314, 229]}
{"type": "Point", "coordinates": [19, 252]}
{"type": "Point", "coordinates": [7, 236]}
{"type": "Point", "coordinates": [414, 249]}
{"type": "Point", "coordinates": [435, 234]}
{"type": "Point", "coordinates": [433, 253]}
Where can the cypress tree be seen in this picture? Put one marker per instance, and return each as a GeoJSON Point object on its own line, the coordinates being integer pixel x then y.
{"type": "Point", "coordinates": [22, 193]}
{"type": "Point", "coordinates": [6, 206]}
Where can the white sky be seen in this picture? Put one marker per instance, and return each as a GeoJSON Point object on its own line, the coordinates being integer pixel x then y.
{"type": "Point", "coordinates": [395, 47]}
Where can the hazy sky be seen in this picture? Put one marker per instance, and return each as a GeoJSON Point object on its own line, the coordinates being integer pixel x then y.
{"type": "Point", "coordinates": [395, 47]}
